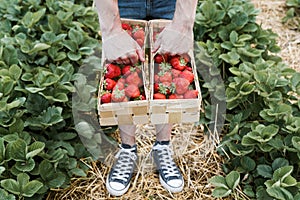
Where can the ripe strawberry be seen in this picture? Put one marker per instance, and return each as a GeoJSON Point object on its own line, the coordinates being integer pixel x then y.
{"type": "Point", "coordinates": [191, 94]}
{"type": "Point", "coordinates": [126, 26]}
{"type": "Point", "coordinates": [140, 42]}
{"type": "Point", "coordinates": [187, 75]}
{"type": "Point", "coordinates": [181, 85]}
{"type": "Point", "coordinates": [189, 68]}
{"type": "Point", "coordinates": [178, 63]}
{"type": "Point", "coordinates": [118, 95]}
{"type": "Point", "coordinates": [120, 84]}
{"type": "Point", "coordinates": [175, 73]}
{"type": "Point", "coordinates": [156, 87]}
{"type": "Point", "coordinates": [138, 33]}
{"type": "Point", "coordinates": [156, 78]}
{"type": "Point", "coordinates": [109, 84]}
{"type": "Point", "coordinates": [165, 76]}
{"type": "Point", "coordinates": [176, 96]}
{"type": "Point", "coordinates": [132, 91]}
{"type": "Point", "coordinates": [126, 70]}
{"type": "Point", "coordinates": [134, 78]}
{"type": "Point", "coordinates": [159, 58]}
{"type": "Point", "coordinates": [112, 71]}
{"type": "Point", "coordinates": [159, 96]}
{"type": "Point", "coordinates": [106, 98]}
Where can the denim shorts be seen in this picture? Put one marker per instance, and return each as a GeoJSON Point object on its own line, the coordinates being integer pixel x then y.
{"type": "Point", "coordinates": [147, 9]}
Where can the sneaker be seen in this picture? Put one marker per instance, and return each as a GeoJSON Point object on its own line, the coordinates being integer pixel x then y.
{"type": "Point", "coordinates": [169, 174]}
{"type": "Point", "coordinates": [118, 180]}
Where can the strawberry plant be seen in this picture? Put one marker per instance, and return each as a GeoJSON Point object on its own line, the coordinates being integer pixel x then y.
{"type": "Point", "coordinates": [260, 138]}
{"type": "Point", "coordinates": [42, 45]}
{"type": "Point", "coordinates": [293, 12]}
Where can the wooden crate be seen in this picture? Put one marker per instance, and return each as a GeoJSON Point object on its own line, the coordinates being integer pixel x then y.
{"type": "Point", "coordinates": [172, 110]}
{"type": "Point", "coordinates": [126, 113]}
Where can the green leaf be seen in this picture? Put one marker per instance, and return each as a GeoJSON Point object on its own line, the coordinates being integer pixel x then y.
{"type": "Point", "coordinates": [34, 149]}
{"type": "Point", "coordinates": [282, 172]}
{"type": "Point", "coordinates": [76, 36]}
{"type": "Point", "coordinates": [232, 179]}
{"type": "Point", "coordinates": [5, 196]}
{"type": "Point", "coordinates": [265, 171]}
{"type": "Point", "coordinates": [2, 169]}
{"type": "Point", "coordinates": [25, 166]}
{"type": "Point", "coordinates": [78, 172]}
{"type": "Point", "coordinates": [248, 163]}
{"type": "Point", "coordinates": [10, 56]}
{"type": "Point", "coordinates": [32, 188]}
{"type": "Point", "coordinates": [279, 162]}
{"type": "Point", "coordinates": [31, 18]}
{"type": "Point", "coordinates": [11, 185]}
{"type": "Point", "coordinates": [2, 150]}
{"type": "Point", "coordinates": [74, 56]}
{"type": "Point", "coordinates": [221, 192]}
{"type": "Point", "coordinates": [247, 88]}
{"type": "Point", "coordinates": [15, 72]}
{"type": "Point", "coordinates": [280, 193]}
{"type": "Point", "coordinates": [17, 150]}
{"type": "Point", "coordinates": [38, 47]}
{"type": "Point", "coordinates": [52, 178]}
{"type": "Point", "coordinates": [219, 181]}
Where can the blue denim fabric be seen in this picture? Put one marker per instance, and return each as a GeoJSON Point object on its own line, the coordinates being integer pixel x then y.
{"type": "Point", "coordinates": [147, 9]}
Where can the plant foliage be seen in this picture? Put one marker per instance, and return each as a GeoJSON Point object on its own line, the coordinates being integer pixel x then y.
{"type": "Point", "coordinates": [42, 45]}
{"type": "Point", "coordinates": [262, 132]}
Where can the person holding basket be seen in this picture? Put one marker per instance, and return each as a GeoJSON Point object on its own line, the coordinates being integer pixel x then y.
{"type": "Point", "coordinates": [118, 46]}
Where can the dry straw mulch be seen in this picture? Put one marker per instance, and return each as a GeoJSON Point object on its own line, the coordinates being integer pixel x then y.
{"type": "Point", "coordinates": [193, 151]}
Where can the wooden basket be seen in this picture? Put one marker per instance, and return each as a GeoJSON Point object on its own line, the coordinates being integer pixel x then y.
{"type": "Point", "coordinates": [172, 110]}
{"type": "Point", "coordinates": [125, 113]}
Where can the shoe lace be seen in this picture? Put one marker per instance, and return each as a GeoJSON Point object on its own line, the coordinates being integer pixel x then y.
{"type": "Point", "coordinates": [125, 163]}
{"type": "Point", "coordinates": [167, 163]}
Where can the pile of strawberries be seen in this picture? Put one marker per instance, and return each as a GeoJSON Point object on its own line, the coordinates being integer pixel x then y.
{"type": "Point", "coordinates": [122, 83]}
{"type": "Point", "coordinates": [173, 77]}
{"type": "Point", "coordinates": [137, 32]}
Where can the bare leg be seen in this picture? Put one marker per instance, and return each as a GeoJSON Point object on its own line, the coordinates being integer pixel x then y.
{"type": "Point", "coordinates": [163, 132]}
{"type": "Point", "coordinates": [127, 134]}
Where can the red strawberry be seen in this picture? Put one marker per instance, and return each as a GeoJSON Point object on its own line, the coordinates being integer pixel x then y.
{"type": "Point", "coordinates": [134, 78]}
{"type": "Point", "coordinates": [173, 96]}
{"type": "Point", "coordinates": [176, 96]}
{"type": "Point", "coordinates": [156, 87]}
{"type": "Point", "coordinates": [178, 63]}
{"type": "Point", "coordinates": [126, 26]}
{"type": "Point", "coordinates": [106, 98]}
{"type": "Point", "coordinates": [109, 84]}
{"type": "Point", "coordinates": [140, 42]}
{"type": "Point", "coordinates": [120, 84]}
{"type": "Point", "coordinates": [118, 95]}
{"type": "Point", "coordinates": [132, 91]}
{"type": "Point", "coordinates": [112, 71]}
{"type": "Point", "coordinates": [191, 94]}
{"type": "Point", "coordinates": [126, 70]}
{"type": "Point", "coordinates": [159, 96]}
{"type": "Point", "coordinates": [189, 68]}
{"type": "Point", "coordinates": [175, 73]}
{"type": "Point", "coordinates": [181, 85]}
{"type": "Point", "coordinates": [187, 75]}
{"type": "Point", "coordinates": [165, 76]}
{"type": "Point", "coordinates": [158, 58]}
{"type": "Point", "coordinates": [139, 33]}
{"type": "Point", "coordinates": [156, 78]}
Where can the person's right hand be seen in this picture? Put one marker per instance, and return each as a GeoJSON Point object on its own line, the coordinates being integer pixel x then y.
{"type": "Point", "coordinates": [121, 48]}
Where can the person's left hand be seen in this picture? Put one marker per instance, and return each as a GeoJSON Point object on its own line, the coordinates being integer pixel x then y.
{"type": "Point", "coordinates": [174, 39]}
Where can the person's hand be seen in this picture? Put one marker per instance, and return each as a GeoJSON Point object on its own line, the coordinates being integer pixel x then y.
{"type": "Point", "coordinates": [174, 39]}
{"type": "Point", "coordinates": [121, 48]}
